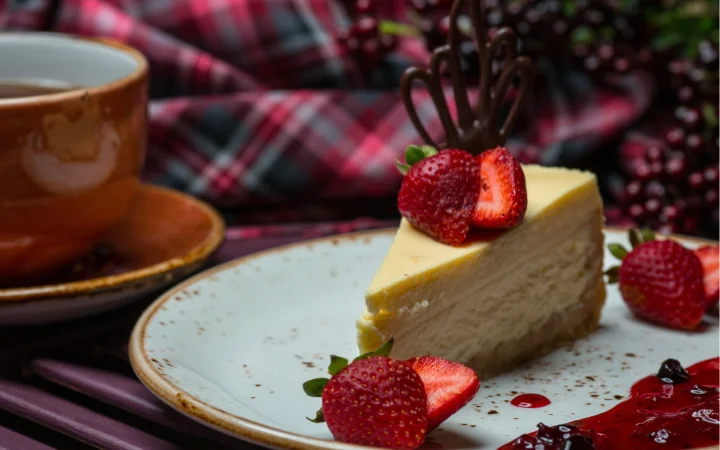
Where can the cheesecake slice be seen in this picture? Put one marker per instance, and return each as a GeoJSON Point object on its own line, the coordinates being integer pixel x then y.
{"type": "Point", "coordinates": [503, 297]}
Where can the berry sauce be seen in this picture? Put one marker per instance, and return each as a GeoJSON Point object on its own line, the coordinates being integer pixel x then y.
{"type": "Point", "coordinates": [530, 401]}
{"type": "Point", "coordinates": [672, 410]}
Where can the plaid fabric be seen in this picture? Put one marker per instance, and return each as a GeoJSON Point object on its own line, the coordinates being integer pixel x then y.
{"type": "Point", "coordinates": [256, 104]}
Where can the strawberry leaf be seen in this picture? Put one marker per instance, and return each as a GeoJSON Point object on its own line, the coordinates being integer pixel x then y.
{"type": "Point", "coordinates": [402, 167]}
{"type": "Point", "coordinates": [337, 363]}
{"type": "Point", "coordinates": [383, 350]}
{"type": "Point", "coordinates": [429, 150]}
{"type": "Point", "coordinates": [617, 251]}
{"type": "Point", "coordinates": [319, 417]}
{"type": "Point", "coordinates": [413, 154]}
{"type": "Point", "coordinates": [416, 153]}
{"type": "Point", "coordinates": [639, 236]}
{"type": "Point", "coordinates": [314, 387]}
{"type": "Point", "coordinates": [612, 274]}
{"type": "Point", "coordinates": [647, 234]}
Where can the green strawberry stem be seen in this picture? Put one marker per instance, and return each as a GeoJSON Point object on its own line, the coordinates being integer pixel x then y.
{"type": "Point", "coordinates": [637, 237]}
{"type": "Point", "coordinates": [319, 417]}
{"type": "Point", "coordinates": [647, 234]}
{"type": "Point", "coordinates": [414, 154]}
{"type": "Point", "coordinates": [314, 387]}
{"type": "Point", "coordinates": [618, 251]}
{"type": "Point", "coordinates": [402, 167]}
{"type": "Point", "coordinates": [337, 363]}
{"type": "Point", "coordinates": [612, 274]}
{"type": "Point", "coordinates": [383, 350]}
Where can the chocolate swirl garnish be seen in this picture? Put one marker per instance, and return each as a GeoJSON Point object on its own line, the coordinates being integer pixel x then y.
{"type": "Point", "coordinates": [476, 130]}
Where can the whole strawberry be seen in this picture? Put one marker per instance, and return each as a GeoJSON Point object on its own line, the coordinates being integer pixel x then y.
{"type": "Point", "coordinates": [373, 400]}
{"type": "Point", "coordinates": [439, 192]}
{"type": "Point", "coordinates": [379, 402]}
{"type": "Point", "coordinates": [661, 281]}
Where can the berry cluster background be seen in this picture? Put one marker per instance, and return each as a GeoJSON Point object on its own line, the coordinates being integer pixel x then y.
{"type": "Point", "coordinates": [660, 172]}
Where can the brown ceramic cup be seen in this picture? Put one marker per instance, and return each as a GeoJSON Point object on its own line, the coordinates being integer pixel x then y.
{"type": "Point", "coordinates": [72, 142]}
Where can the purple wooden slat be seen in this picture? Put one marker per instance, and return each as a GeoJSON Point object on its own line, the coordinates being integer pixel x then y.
{"type": "Point", "coordinates": [114, 389]}
{"type": "Point", "coordinates": [127, 394]}
{"type": "Point", "coordinates": [75, 421]}
{"type": "Point", "coordinates": [10, 440]}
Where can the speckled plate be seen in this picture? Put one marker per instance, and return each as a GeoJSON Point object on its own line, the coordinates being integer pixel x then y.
{"type": "Point", "coordinates": [232, 346]}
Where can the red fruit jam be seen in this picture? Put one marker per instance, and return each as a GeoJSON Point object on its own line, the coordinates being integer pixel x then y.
{"type": "Point", "coordinates": [675, 409]}
{"type": "Point", "coordinates": [530, 401]}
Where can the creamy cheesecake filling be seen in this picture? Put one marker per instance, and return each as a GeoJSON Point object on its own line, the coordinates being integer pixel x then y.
{"type": "Point", "coordinates": [468, 328]}
{"type": "Point", "coordinates": [476, 303]}
{"type": "Point", "coordinates": [515, 301]}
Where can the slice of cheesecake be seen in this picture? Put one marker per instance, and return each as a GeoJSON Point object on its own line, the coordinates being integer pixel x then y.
{"type": "Point", "coordinates": [503, 297]}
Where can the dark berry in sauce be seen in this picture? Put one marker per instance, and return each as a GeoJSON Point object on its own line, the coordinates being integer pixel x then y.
{"type": "Point", "coordinates": [672, 372]}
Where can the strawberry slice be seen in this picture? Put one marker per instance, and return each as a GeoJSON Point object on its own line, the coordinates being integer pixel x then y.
{"type": "Point", "coordinates": [502, 200]}
{"type": "Point", "coordinates": [710, 258]}
{"type": "Point", "coordinates": [449, 386]}
{"type": "Point", "coordinates": [438, 194]}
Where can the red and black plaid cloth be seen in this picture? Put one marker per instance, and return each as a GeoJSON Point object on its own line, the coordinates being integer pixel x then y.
{"type": "Point", "coordinates": [257, 107]}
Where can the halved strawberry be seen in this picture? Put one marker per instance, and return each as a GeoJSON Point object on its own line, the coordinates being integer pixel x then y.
{"type": "Point", "coordinates": [449, 386]}
{"type": "Point", "coordinates": [710, 258]}
{"type": "Point", "coordinates": [502, 201]}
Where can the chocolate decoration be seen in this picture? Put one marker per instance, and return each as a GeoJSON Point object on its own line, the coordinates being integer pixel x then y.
{"type": "Point", "coordinates": [478, 130]}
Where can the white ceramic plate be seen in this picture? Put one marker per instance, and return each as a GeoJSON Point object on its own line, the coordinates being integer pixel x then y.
{"type": "Point", "coordinates": [232, 346]}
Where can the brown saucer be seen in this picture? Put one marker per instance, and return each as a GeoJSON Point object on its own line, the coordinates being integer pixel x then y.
{"type": "Point", "coordinates": [164, 237]}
